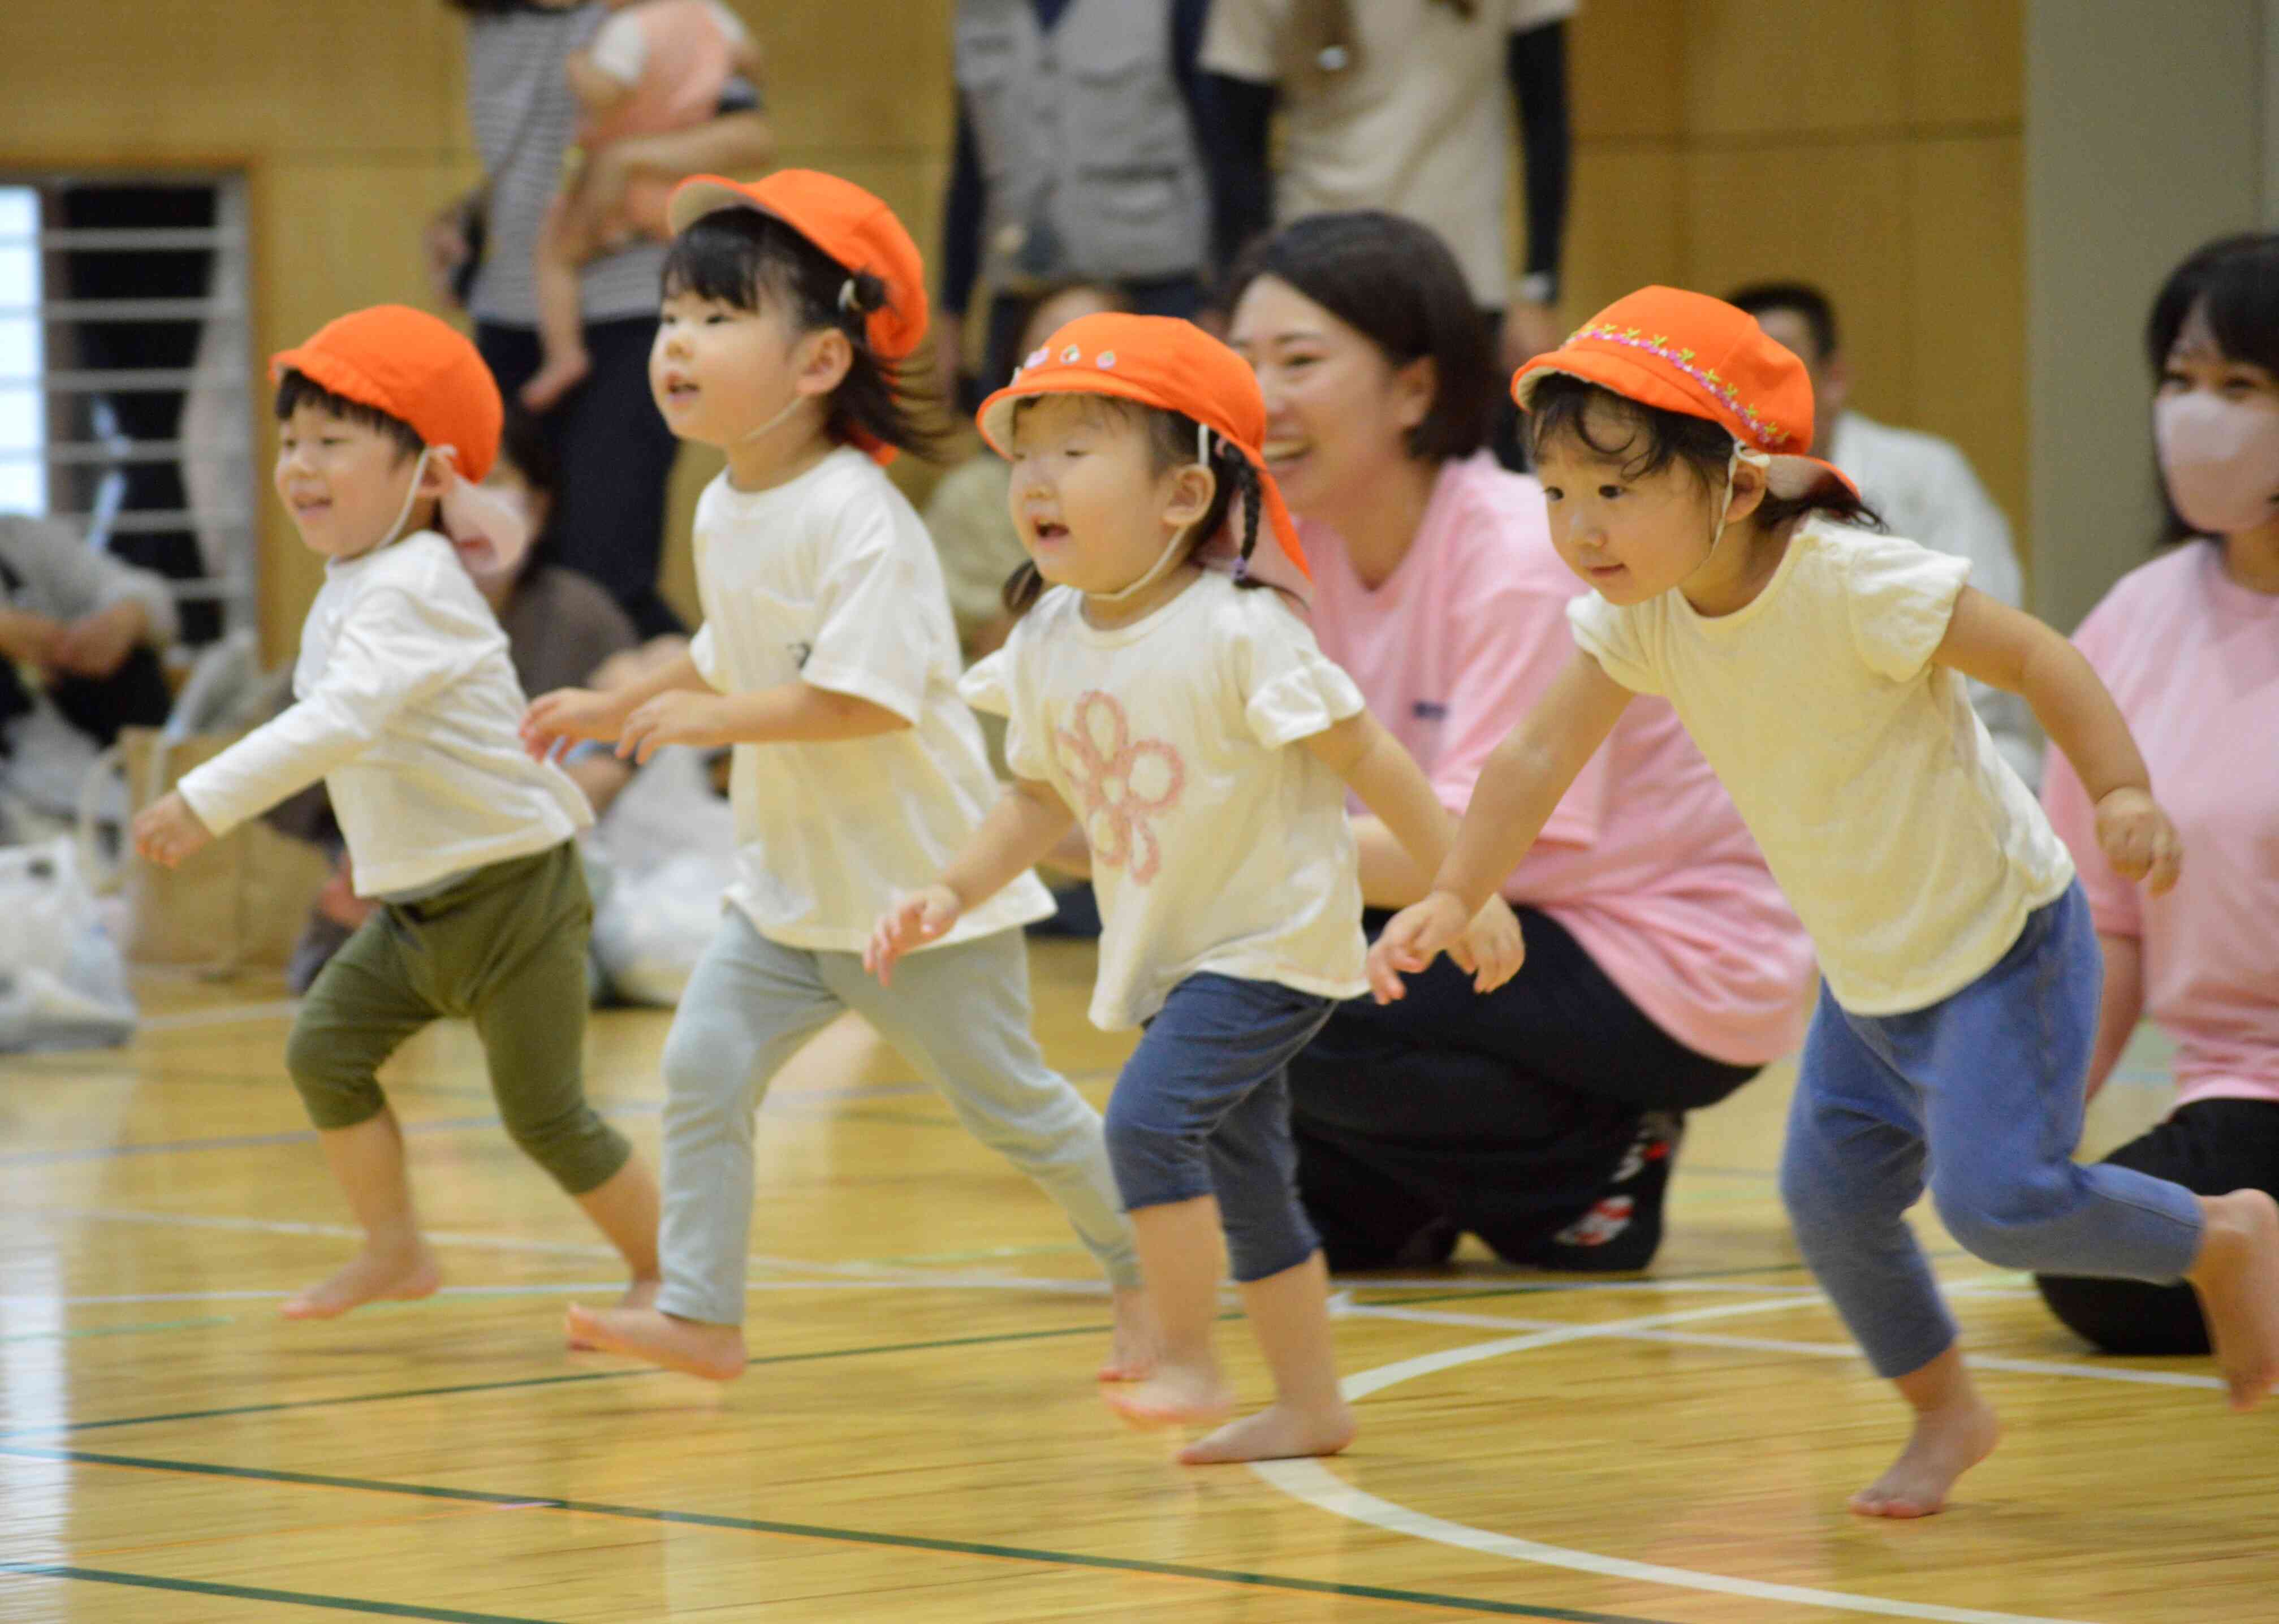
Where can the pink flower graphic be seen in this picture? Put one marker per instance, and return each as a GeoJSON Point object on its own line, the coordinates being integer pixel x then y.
{"type": "Point", "coordinates": [1121, 784]}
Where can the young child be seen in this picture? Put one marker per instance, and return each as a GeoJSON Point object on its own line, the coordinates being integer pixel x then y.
{"type": "Point", "coordinates": [655, 66]}
{"type": "Point", "coordinates": [1821, 671]}
{"type": "Point", "coordinates": [828, 659]}
{"type": "Point", "coordinates": [405, 704]}
{"type": "Point", "coordinates": [1207, 745]}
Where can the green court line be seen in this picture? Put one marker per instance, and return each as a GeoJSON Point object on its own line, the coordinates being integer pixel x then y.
{"type": "Point", "coordinates": [854, 1537]}
{"type": "Point", "coordinates": [246, 1592]}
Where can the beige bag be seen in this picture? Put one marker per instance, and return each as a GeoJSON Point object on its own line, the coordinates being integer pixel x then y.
{"type": "Point", "coordinates": [238, 904]}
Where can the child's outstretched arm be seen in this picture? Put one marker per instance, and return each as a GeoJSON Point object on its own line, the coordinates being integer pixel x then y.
{"type": "Point", "coordinates": [1391, 785]}
{"type": "Point", "coordinates": [790, 712]}
{"type": "Point", "coordinates": [569, 714]}
{"type": "Point", "coordinates": [1517, 791]}
{"type": "Point", "coordinates": [2009, 650]}
{"type": "Point", "coordinates": [1028, 820]}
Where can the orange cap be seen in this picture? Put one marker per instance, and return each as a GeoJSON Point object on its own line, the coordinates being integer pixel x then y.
{"type": "Point", "coordinates": [846, 222]}
{"type": "Point", "coordinates": [1158, 361]}
{"type": "Point", "coordinates": [414, 367]}
{"type": "Point", "coordinates": [1688, 353]}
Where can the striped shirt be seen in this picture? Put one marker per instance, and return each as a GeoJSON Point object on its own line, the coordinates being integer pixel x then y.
{"type": "Point", "coordinates": [524, 118]}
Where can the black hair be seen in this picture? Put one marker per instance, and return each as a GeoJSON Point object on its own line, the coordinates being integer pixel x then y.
{"type": "Point", "coordinates": [2234, 280]}
{"type": "Point", "coordinates": [743, 258]}
{"type": "Point", "coordinates": [297, 390]}
{"type": "Point", "coordinates": [1800, 299]}
{"type": "Point", "coordinates": [1653, 439]}
{"type": "Point", "coordinates": [1170, 444]}
{"type": "Point", "coordinates": [1395, 283]}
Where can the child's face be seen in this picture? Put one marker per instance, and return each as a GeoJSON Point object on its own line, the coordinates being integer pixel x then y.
{"type": "Point", "coordinates": [343, 482]}
{"type": "Point", "coordinates": [1629, 539]}
{"type": "Point", "coordinates": [719, 370]}
{"type": "Point", "coordinates": [1090, 506]}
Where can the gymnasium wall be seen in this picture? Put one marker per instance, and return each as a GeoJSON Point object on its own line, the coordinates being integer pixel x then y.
{"type": "Point", "coordinates": [1874, 146]}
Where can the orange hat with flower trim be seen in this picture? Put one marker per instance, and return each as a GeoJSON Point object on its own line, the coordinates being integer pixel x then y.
{"type": "Point", "coordinates": [1158, 361]}
{"type": "Point", "coordinates": [1688, 353]}
{"type": "Point", "coordinates": [412, 366]}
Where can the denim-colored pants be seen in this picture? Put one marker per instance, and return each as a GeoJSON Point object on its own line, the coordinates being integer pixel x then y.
{"type": "Point", "coordinates": [1203, 1108]}
{"type": "Point", "coordinates": [1981, 1094]}
{"type": "Point", "coordinates": [960, 1015]}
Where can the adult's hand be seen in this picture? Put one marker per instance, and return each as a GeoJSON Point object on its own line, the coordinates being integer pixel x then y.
{"type": "Point", "coordinates": [97, 645]}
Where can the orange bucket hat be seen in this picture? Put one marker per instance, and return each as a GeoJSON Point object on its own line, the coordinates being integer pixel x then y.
{"type": "Point", "coordinates": [846, 222]}
{"type": "Point", "coordinates": [412, 366]}
{"type": "Point", "coordinates": [1158, 361]}
{"type": "Point", "coordinates": [1688, 353]}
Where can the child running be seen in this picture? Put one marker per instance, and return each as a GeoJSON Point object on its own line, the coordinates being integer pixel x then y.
{"type": "Point", "coordinates": [1207, 745]}
{"type": "Point", "coordinates": [1821, 669]}
{"type": "Point", "coordinates": [828, 660]}
{"type": "Point", "coordinates": [405, 703]}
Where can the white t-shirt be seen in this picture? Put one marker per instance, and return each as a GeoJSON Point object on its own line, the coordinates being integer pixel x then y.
{"type": "Point", "coordinates": [829, 579]}
{"type": "Point", "coordinates": [1218, 843]}
{"type": "Point", "coordinates": [1420, 124]}
{"type": "Point", "coordinates": [407, 705]}
{"type": "Point", "coordinates": [1910, 850]}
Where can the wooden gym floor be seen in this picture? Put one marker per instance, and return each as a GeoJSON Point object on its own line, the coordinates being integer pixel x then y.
{"type": "Point", "coordinates": [918, 1437]}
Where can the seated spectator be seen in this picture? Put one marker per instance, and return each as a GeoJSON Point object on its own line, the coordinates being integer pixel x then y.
{"type": "Point", "coordinates": [2189, 645]}
{"type": "Point", "coordinates": [1664, 968]}
{"type": "Point", "coordinates": [88, 629]}
{"type": "Point", "coordinates": [1922, 485]}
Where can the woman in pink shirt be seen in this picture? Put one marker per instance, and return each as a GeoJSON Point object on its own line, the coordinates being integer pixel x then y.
{"type": "Point", "coordinates": [2189, 645]}
{"type": "Point", "coordinates": [1664, 968]}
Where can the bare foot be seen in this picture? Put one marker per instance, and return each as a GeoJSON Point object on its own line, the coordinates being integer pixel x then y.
{"type": "Point", "coordinates": [714, 1352]}
{"type": "Point", "coordinates": [391, 1276]}
{"type": "Point", "coordinates": [641, 1294]}
{"type": "Point", "coordinates": [1947, 1443]}
{"type": "Point", "coordinates": [1174, 1396]}
{"type": "Point", "coordinates": [556, 379]}
{"type": "Point", "coordinates": [1137, 1345]}
{"type": "Point", "coordinates": [2237, 1275]}
{"type": "Point", "coordinates": [1279, 1432]}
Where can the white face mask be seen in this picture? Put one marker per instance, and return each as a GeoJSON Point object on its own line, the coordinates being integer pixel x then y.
{"type": "Point", "coordinates": [2221, 460]}
{"type": "Point", "coordinates": [1174, 550]}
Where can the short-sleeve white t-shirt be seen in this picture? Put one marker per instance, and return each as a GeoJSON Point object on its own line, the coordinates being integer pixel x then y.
{"type": "Point", "coordinates": [829, 578]}
{"type": "Point", "coordinates": [1909, 848]}
{"type": "Point", "coordinates": [1218, 842]}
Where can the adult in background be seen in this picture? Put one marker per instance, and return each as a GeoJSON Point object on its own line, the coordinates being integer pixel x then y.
{"type": "Point", "coordinates": [1922, 486]}
{"type": "Point", "coordinates": [616, 453]}
{"type": "Point", "coordinates": [1076, 160]}
{"type": "Point", "coordinates": [1663, 968]}
{"type": "Point", "coordinates": [2189, 645]}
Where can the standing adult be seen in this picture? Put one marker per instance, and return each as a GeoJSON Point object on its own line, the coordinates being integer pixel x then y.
{"type": "Point", "coordinates": [1076, 160]}
{"type": "Point", "coordinates": [1663, 968]}
{"type": "Point", "coordinates": [615, 451]}
{"type": "Point", "coordinates": [2189, 645]}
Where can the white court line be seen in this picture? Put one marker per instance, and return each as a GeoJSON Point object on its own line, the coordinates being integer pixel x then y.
{"type": "Point", "coordinates": [1313, 1482]}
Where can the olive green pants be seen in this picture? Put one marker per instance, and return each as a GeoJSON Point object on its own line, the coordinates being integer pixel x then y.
{"type": "Point", "coordinates": [504, 946]}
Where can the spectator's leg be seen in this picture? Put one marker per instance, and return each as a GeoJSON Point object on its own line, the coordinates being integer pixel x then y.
{"type": "Point", "coordinates": [616, 456]}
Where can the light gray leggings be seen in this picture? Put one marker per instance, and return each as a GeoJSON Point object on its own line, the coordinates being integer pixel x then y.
{"type": "Point", "coordinates": [960, 1015]}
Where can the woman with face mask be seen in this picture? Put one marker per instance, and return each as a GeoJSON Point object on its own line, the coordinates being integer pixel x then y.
{"type": "Point", "coordinates": [2189, 645]}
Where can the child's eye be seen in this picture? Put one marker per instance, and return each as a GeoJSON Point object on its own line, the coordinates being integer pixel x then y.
{"type": "Point", "coordinates": [1552, 492]}
{"type": "Point", "coordinates": [1610, 491]}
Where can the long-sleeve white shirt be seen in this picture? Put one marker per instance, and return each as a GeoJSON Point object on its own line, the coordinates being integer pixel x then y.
{"type": "Point", "coordinates": [1924, 488]}
{"type": "Point", "coordinates": [406, 705]}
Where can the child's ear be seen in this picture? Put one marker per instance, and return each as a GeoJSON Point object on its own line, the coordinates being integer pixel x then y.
{"type": "Point", "coordinates": [826, 356]}
{"type": "Point", "coordinates": [1192, 488]}
{"type": "Point", "coordinates": [1750, 488]}
{"type": "Point", "coordinates": [435, 475]}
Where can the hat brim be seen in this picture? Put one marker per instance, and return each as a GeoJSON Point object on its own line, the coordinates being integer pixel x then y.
{"type": "Point", "coordinates": [693, 199]}
{"type": "Point", "coordinates": [995, 422]}
{"type": "Point", "coordinates": [1792, 474]}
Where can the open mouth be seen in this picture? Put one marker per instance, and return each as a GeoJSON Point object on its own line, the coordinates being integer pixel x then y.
{"type": "Point", "coordinates": [680, 392]}
{"type": "Point", "coordinates": [1049, 532]}
{"type": "Point", "coordinates": [1283, 454]}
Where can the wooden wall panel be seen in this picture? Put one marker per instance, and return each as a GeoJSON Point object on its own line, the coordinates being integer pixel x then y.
{"type": "Point", "coordinates": [1756, 67]}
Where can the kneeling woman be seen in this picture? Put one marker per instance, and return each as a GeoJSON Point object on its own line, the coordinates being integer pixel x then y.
{"type": "Point", "coordinates": [1664, 968]}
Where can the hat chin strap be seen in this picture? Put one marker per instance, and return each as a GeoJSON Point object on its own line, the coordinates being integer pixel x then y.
{"type": "Point", "coordinates": [1172, 553]}
{"type": "Point", "coordinates": [410, 496]}
{"type": "Point", "coordinates": [790, 406]}
{"type": "Point", "coordinates": [1741, 454]}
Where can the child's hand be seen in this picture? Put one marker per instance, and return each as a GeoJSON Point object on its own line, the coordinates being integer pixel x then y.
{"type": "Point", "coordinates": [1490, 948]}
{"type": "Point", "coordinates": [1410, 940]}
{"type": "Point", "coordinates": [677, 717]}
{"type": "Point", "coordinates": [2137, 838]}
{"type": "Point", "coordinates": [166, 830]}
{"type": "Point", "coordinates": [555, 718]}
{"type": "Point", "coordinates": [920, 918]}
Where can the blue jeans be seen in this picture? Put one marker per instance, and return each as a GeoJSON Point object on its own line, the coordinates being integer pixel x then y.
{"type": "Point", "coordinates": [1983, 1092]}
{"type": "Point", "coordinates": [1203, 1108]}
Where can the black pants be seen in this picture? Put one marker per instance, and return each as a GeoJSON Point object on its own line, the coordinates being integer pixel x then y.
{"type": "Point", "coordinates": [2213, 1148]}
{"type": "Point", "coordinates": [1507, 1116]}
{"type": "Point", "coordinates": [616, 454]}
